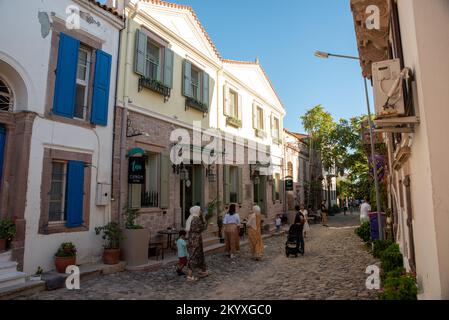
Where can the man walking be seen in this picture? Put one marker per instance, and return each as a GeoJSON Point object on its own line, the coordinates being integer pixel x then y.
{"type": "Point", "coordinates": [324, 213]}
{"type": "Point", "coordinates": [365, 208]}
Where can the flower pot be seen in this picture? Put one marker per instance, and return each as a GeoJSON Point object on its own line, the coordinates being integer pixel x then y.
{"type": "Point", "coordinates": [2, 244]}
{"type": "Point", "coordinates": [111, 256]}
{"type": "Point", "coordinates": [135, 246]}
{"type": "Point", "coordinates": [61, 263]}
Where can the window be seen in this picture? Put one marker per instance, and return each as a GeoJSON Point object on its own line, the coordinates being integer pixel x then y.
{"type": "Point", "coordinates": [234, 189]}
{"type": "Point", "coordinates": [196, 84]}
{"type": "Point", "coordinates": [146, 195]}
{"type": "Point", "coordinates": [6, 97]}
{"type": "Point", "coordinates": [82, 82]}
{"type": "Point", "coordinates": [259, 116]}
{"type": "Point", "coordinates": [290, 169]}
{"type": "Point", "coordinates": [153, 70]}
{"type": "Point", "coordinates": [233, 104]}
{"type": "Point", "coordinates": [276, 127]}
{"type": "Point", "coordinates": [56, 211]}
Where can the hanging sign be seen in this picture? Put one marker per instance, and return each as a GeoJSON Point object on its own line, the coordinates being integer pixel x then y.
{"type": "Point", "coordinates": [288, 183]}
{"type": "Point", "coordinates": [136, 170]}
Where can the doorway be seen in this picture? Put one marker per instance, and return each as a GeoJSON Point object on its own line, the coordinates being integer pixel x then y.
{"type": "Point", "coordinates": [191, 189]}
{"type": "Point", "coordinates": [259, 192]}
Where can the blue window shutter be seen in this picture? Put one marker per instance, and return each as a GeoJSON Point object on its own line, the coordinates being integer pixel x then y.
{"type": "Point", "coordinates": [65, 85]}
{"type": "Point", "coordinates": [100, 96]}
{"type": "Point", "coordinates": [168, 67]}
{"type": "Point", "coordinates": [186, 79]}
{"type": "Point", "coordinates": [2, 150]}
{"type": "Point", "coordinates": [75, 194]}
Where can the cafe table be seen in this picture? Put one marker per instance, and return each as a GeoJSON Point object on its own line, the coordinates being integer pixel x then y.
{"type": "Point", "coordinates": [169, 233]}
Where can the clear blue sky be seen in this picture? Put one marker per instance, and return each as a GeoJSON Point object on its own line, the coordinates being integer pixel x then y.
{"type": "Point", "coordinates": [284, 34]}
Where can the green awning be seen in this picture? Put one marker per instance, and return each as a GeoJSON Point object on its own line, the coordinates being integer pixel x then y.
{"type": "Point", "coordinates": [135, 152]}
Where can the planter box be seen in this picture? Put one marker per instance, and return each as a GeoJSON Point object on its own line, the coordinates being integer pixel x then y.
{"type": "Point", "coordinates": [230, 121]}
{"type": "Point", "coordinates": [135, 246]}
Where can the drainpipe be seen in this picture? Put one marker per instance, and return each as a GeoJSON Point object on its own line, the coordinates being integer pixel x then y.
{"type": "Point", "coordinates": [122, 196]}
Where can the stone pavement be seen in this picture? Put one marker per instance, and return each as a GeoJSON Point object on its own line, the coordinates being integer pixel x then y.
{"type": "Point", "coordinates": [333, 267]}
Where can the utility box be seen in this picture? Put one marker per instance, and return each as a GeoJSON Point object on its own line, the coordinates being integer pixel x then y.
{"type": "Point", "coordinates": [103, 194]}
{"type": "Point", "coordinates": [385, 76]}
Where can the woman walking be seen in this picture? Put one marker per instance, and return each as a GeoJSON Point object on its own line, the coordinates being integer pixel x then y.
{"type": "Point", "coordinates": [195, 226]}
{"type": "Point", "coordinates": [305, 213]}
{"type": "Point", "coordinates": [254, 233]}
{"type": "Point", "coordinates": [231, 222]}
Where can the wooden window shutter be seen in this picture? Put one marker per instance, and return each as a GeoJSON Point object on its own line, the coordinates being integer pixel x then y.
{"type": "Point", "coordinates": [255, 122]}
{"type": "Point", "coordinates": [65, 85]}
{"type": "Point", "coordinates": [186, 78]}
{"type": "Point", "coordinates": [75, 194]}
{"type": "Point", "coordinates": [226, 102]}
{"type": "Point", "coordinates": [141, 53]}
{"type": "Point", "coordinates": [206, 88]}
{"type": "Point", "coordinates": [165, 182]}
{"type": "Point", "coordinates": [273, 189]}
{"type": "Point", "coordinates": [240, 185]}
{"type": "Point", "coordinates": [168, 67]}
{"type": "Point", "coordinates": [272, 125]}
{"type": "Point", "coordinates": [239, 107]}
{"type": "Point", "coordinates": [227, 184]}
{"type": "Point", "coordinates": [100, 96]}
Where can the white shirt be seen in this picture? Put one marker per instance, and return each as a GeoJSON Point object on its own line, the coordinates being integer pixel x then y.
{"type": "Point", "coordinates": [365, 208]}
{"type": "Point", "coordinates": [231, 219]}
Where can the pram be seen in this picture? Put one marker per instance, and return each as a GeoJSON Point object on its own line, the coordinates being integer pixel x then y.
{"type": "Point", "coordinates": [295, 243]}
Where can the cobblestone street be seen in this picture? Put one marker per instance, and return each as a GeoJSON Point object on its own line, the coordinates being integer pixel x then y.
{"type": "Point", "coordinates": [333, 267]}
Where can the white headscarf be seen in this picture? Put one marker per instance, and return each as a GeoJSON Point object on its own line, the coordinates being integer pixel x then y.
{"type": "Point", "coordinates": [194, 212]}
{"type": "Point", "coordinates": [252, 217]}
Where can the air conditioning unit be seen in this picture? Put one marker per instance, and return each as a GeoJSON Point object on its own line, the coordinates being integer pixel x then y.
{"type": "Point", "coordinates": [388, 89]}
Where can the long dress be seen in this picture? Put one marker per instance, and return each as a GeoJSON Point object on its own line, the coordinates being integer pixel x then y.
{"type": "Point", "coordinates": [255, 238]}
{"type": "Point", "coordinates": [195, 246]}
{"type": "Point", "coordinates": [306, 224]}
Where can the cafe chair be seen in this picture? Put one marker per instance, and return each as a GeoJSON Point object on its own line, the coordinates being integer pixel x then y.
{"type": "Point", "coordinates": [155, 248]}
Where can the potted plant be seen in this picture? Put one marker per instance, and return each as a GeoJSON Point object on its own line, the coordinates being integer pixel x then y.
{"type": "Point", "coordinates": [65, 256]}
{"type": "Point", "coordinates": [113, 235]}
{"type": "Point", "coordinates": [7, 232]}
{"type": "Point", "coordinates": [38, 275]}
{"type": "Point", "coordinates": [136, 240]}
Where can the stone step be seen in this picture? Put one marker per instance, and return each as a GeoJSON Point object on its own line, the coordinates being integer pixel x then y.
{"type": "Point", "coordinates": [5, 256]}
{"type": "Point", "coordinates": [12, 279]}
{"type": "Point", "coordinates": [8, 267]}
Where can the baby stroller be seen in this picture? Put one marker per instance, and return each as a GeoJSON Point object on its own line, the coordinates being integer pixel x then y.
{"type": "Point", "coordinates": [294, 244]}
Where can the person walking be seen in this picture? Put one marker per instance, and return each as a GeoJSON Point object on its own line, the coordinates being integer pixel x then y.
{"type": "Point", "coordinates": [296, 231]}
{"type": "Point", "coordinates": [231, 222]}
{"type": "Point", "coordinates": [305, 213]}
{"type": "Point", "coordinates": [365, 208]}
{"type": "Point", "coordinates": [324, 213]}
{"type": "Point", "coordinates": [255, 233]}
{"type": "Point", "coordinates": [195, 225]}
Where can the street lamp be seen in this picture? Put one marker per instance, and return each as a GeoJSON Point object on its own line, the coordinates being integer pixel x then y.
{"type": "Point", "coordinates": [325, 55]}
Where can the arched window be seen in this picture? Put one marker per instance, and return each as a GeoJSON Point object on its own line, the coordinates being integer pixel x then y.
{"type": "Point", "coordinates": [290, 169]}
{"type": "Point", "coordinates": [6, 97]}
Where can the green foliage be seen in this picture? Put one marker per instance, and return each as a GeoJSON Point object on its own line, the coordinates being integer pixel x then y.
{"type": "Point", "coordinates": [131, 215]}
{"type": "Point", "coordinates": [364, 231]}
{"type": "Point", "coordinates": [7, 229]}
{"type": "Point", "coordinates": [379, 246]}
{"type": "Point", "coordinates": [112, 234]}
{"type": "Point", "coordinates": [211, 208]}
{"type": "Point", "coordinates": [399, 287]}
{"type": "Point", "coordinates": [39, 271]}
{"type": "Point", "coordinates": [66, 249]}
{"type": "Point", "coordinates": [391, 258]}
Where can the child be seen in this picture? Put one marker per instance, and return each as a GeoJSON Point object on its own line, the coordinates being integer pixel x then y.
{"type": "Point", "coordinates": [182, 255]}
{"type": "Point", "coordinates": [278, 223]}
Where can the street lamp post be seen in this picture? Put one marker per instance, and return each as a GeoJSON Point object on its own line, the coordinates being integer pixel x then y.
{"type": "Point", "coordinates": [321, 54]}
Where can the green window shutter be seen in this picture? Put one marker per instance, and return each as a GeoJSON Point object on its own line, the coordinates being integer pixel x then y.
{"type": "Point", "coordinates": [226, 104]}
{"type": "Point", "coordinates": [165, 181]}
{"type": "Point", "coordinates": [240, 185]}
{"type": "Point", "coordinates": [273, 194]}
{"type": "Point", "coordinates": [227, 184]}
{"type": "Point", "coordinates": [206, 88]}
{"type": "Point", "coordinates": [141, 53]}
{"type": "Point", "coordinates": [281, 189]}
{"type": "Point", "coordinates": [168, 67]}
{"type": "Point", "coordinates": [186, 78]}
{"type": "Point", "coordinates": [198, 180]}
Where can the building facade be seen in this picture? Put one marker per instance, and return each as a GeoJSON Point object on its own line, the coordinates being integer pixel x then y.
{"type": "Point", "coordinates": [57, 84]}
{"type": "Point", "coordinates": [194, 120]}
{"type": "Point", "coordinates": [415, 32]}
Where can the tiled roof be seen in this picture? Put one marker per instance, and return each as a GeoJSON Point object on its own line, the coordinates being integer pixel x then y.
{"type": "Point", "coordinates": [106, 8]}
{"type": "Point", "coordinates": [296, 134]}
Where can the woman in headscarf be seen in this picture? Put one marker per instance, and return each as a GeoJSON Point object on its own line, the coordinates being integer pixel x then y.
{"type": "Point", "coordinates": [254, 233]}
{"type": "Point", "coordinates": [231, 222]}
{"type": "Point", "coordinates": [194, 226]}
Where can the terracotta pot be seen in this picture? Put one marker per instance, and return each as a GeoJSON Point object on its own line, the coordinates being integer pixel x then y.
{"type": "Point", "coordinates": [2, 244]}
{"type": "Point", "coordinates": [111, 256]}
{"type": "Point", "coordinates": [61, 263]}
